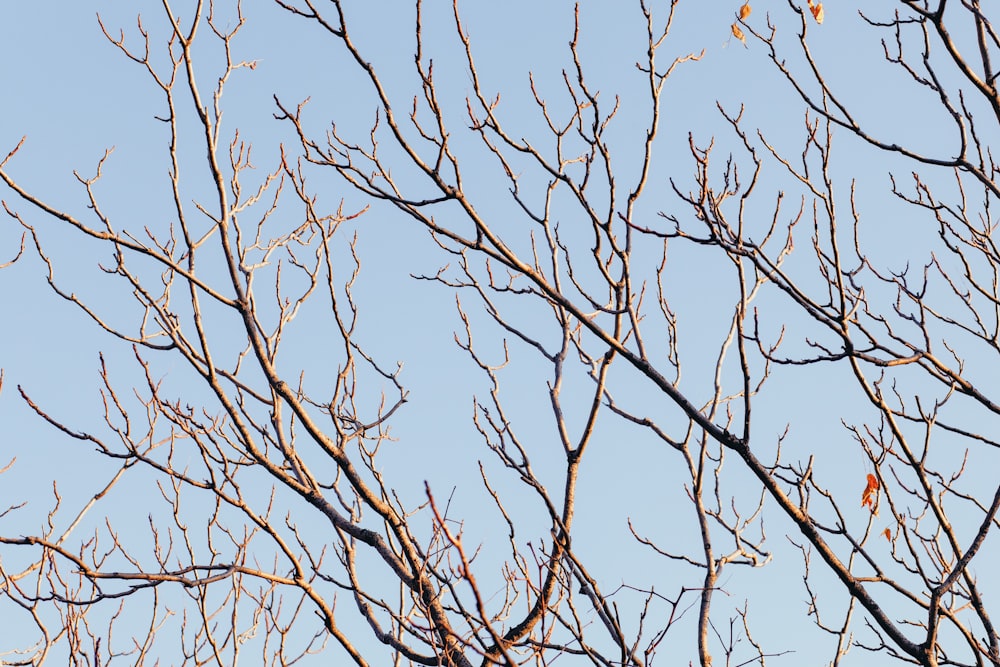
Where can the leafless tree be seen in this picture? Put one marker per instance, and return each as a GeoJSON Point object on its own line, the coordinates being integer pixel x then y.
{"type": "Point", "coordinates": [580, 263]}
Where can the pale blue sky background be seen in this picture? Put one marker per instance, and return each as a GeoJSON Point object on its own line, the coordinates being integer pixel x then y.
{"type": "Point", "coordinates": [74, 95]}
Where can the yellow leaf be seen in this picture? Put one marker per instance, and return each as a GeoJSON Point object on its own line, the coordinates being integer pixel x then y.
{"type": "Point", "coordinates": [817, 11]}
{"type": "Point", "coordinates": [738, 34]}
{"type": "Point", "coordinates": [745, 10]}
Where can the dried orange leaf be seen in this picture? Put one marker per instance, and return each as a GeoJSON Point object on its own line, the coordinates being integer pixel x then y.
{"type": "Point", "coordinates": [888, 535]}
{"type": "Point", "coordinates": [817, 11]}
{"type": "Point", "coordinates": [745, 10]}
{"type": "Point", "coordinates": [870, 495]}
{"type": "Point", "coordinates": [738, 34]}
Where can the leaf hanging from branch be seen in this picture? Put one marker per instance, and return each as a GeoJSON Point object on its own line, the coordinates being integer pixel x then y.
{"type": "Point", "coordinates": [869, 497]}
{"type": "Point", "coordinates": [817, 10]}
{"type": "Point", "coordinates": [738, 34]}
